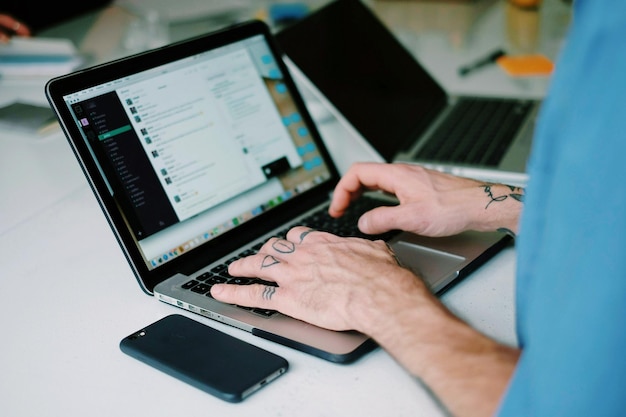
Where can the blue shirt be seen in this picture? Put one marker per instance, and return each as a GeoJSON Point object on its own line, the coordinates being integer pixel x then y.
{"type": "Point", "coordinates": [571, 278]}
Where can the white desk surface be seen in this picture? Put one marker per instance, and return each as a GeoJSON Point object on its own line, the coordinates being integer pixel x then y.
{"type": "Point", "coordinates": [69, 297]}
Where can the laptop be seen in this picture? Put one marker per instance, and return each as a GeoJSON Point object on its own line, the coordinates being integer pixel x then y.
{"type": "Point", "coordinates": [200, 151]}
{"type": "Point", "coordinates": [359, 70]}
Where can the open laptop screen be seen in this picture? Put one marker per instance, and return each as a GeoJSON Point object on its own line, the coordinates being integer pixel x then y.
{"type": "Point", "coordinates": [196, 147]}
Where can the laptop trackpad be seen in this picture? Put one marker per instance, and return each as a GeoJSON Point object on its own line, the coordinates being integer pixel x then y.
{"type": "Point", "coordinates": [430, 264]}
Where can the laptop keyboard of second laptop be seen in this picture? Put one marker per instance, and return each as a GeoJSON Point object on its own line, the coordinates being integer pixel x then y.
{"type": "Point", "coordinates": [477, 131]}
{"type": "Point", "coordinates": [346, 225]}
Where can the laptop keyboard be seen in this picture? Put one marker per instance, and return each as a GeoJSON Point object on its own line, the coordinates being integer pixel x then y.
{"type": "Point", "coordinates": [346, 226]}
{"type": "Point", "coordinates": [477, 131]}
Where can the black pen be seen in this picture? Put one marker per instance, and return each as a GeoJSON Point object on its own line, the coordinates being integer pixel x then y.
{"type": "Point", "coordinates": [492, 57]}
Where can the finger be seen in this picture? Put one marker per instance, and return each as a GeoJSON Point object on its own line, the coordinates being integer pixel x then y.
{"type": "Point", "coordinates": [259, 265]}
{"type": "Point", "coordinates": [255, 295]}
{"type": "Point", "coordinates": [280, 246]}
{"type": "Point", "coordinates": [382, 219]}
{"type": "Point", "coordinates": [361, 177]}
{"type": "Point", "coordinates": [347, 190]}
{"type": "Point", "coordinates": [304, 234]}
{"type": "Point", "coordinates": [342, 197]}
{"type": "Point", "coordinates": [6, 21]}
{"type": "Point", "coordinates": [13, 26]}
{"type": "Point", "coordinates": [20, 29]}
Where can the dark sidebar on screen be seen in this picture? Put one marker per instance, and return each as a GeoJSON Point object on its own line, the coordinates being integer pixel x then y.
{"type": "Point", "coordinates": [125, 163]}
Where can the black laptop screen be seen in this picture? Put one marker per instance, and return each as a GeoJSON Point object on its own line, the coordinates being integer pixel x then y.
{"type": "Point", "coordinates": [196, 147]}
{"type": "Point", "coordinates": [366, 73]}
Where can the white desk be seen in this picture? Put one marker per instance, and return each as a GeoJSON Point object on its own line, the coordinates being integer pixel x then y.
{"type": "Point", "coordinates": [69, 297]}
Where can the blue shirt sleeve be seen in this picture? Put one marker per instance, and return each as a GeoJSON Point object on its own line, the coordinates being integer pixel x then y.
{"type": "Point", "coordinates": [571, 278]}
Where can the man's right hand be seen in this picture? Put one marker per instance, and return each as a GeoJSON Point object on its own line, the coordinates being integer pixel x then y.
{"type": "Point", "coordinates": [431, 203]}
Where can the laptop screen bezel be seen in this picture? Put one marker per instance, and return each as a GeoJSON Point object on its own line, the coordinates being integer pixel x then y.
{"type": "Point", "coordinates": [222, 245]}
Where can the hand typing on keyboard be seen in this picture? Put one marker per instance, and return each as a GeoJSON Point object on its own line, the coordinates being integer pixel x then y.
{"type": "Point", "coordinates": [342, 283]}
{"type": "Point", "coordinates": [317, 275]}
{"type": "Point", "coordinates": [354, 283]}
{"type": "Point", "coordinates": [431, 203]}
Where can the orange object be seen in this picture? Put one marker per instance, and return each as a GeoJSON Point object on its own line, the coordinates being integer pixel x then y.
{"type": "Point", "coordinates": [526, 65]}
{"type": "Point", "coordinates": [526, 4]}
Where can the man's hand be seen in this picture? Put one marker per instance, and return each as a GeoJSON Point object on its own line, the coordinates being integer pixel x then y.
{"type": "Point", "coordinates": [431, 203]}
{"type": "Point", "coordinates": [332, 282]}
{"type": "Point", "coordinates": [10, 26]}
{"type": "Point", "coordinates": [350, 283]}
{"type": "Point", "coordinates": [356, 284]}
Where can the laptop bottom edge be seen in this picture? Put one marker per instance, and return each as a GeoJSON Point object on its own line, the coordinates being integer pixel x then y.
{"type": "Point", "coordinates": [344, 358]}
{"type": "Point", "coordinates": [343, 347]}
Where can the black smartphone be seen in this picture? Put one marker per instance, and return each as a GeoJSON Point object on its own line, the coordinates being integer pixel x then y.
{"type": "Point", "coordinates": [205, 358]}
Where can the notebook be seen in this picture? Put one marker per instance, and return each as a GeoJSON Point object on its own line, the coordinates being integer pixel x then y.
{"type": "Point", "coordinates": [200, 151]}
{"type": "Point", "coordinates": [350, 60]}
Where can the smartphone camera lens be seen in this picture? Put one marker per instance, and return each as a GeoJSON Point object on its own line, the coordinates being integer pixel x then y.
{"type": "Point", "coordinates": [137, 335]}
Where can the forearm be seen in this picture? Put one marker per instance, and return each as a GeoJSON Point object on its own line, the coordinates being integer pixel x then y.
{"type": "Point", "coordinates": [467, 371]}
{"type": "Point", "coordinates": [432, 203]}
{"type": "Point", "coordinates": [494, 207]}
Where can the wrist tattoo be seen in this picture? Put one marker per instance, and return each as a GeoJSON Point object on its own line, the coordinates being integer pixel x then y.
{"type": "Point", "coordinates": [284, 246]}
{"type": "Point", "coordinates": [515, 193]}
{"type": "Point", "coordinates": [268, 261]}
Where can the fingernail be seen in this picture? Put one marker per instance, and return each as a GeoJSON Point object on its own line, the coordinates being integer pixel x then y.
{"type": "Point", "coordinates": [362, 223]}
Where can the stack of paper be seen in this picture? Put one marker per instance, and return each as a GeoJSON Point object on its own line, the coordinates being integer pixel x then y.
{"type": "Point", "coordinates": [46, 57]}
